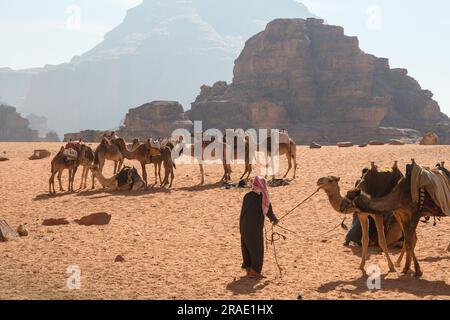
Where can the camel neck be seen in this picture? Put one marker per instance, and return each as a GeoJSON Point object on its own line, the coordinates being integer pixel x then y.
{"type": "Point", "coordinates": [335, 198]}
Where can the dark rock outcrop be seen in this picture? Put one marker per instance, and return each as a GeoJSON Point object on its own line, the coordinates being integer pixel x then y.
{"type": "Point", "coordinates": [314, 81]}
{"type": "Point", "coordinates": [156, 119]}
{"type": "Point", "coordinates": [13, 127]}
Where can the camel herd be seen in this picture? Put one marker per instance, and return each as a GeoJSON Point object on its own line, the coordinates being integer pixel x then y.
{"type": "Point", "coordinates": [384, 192]}
{"type": "Point", "coordinates": [158, 153]}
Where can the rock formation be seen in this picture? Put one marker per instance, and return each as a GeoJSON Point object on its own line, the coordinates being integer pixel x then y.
{"type": "Point", "coordinates": [13, 127]}
{"type": "Point", "coordinates": [163, 50]}
{"type": "Point", "coordinates": [314, 81]}
{"type": "Point", "coordinates": [86, 136]}
{"type": "Point", "coordinates": [429, 139]}
{"type": "Point", "coordinates": [156, 119]}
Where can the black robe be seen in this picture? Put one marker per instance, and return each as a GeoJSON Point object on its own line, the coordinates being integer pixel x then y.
{"type": "Point", "coordinates": [252, 231]}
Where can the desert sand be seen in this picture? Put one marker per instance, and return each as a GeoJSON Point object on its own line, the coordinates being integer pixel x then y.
{"type": "Point", "coordinates": [184, 243]}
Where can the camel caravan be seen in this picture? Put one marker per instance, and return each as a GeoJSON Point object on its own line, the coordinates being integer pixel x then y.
{"type": "Point", "coordinates": [419, 193]}
{"type": "Point", "coordinates": [161, 153]}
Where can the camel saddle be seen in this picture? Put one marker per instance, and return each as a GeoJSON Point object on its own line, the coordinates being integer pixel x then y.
{"type": "Point", "coordinates": [70, 153]}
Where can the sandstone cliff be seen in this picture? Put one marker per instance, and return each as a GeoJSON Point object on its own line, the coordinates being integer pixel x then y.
{"type": "Point", "coordinates": [13, 127]}
{"type": "Point", "coordinates": [156, 119]}
{"type": "Point", "coordinates": [315, 81]}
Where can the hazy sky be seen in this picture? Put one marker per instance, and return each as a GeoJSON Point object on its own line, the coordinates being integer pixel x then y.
{"type": "Point", "coordinates": [413, 34]}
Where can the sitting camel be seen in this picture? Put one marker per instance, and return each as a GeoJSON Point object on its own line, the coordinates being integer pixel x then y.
{"type": "Point", "coordinates": [126, 180]}
{"type": "Point", "coordinates": [401, 202]}
{"type": "Point", "coordinates": [331, 187]}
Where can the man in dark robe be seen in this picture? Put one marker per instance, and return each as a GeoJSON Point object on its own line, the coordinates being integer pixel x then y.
{"type": "Point", "coordinates": [255, 208]}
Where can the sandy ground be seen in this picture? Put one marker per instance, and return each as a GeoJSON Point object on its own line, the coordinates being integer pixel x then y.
{"type": "Point", "coordinates": [184, 243]}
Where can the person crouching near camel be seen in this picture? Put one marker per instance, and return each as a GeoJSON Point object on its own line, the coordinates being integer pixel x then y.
{"type": "Point", "coordinates": [255, 208]}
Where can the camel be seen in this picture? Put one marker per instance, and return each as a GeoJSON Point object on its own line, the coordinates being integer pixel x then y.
{"type": "Point", "coordinates": [127, 179]}
{"type": "Point", "coordinates": [234, 149]}
{"type": "Point", "coordinates": [87, 159]}
{"type": "Point", "coordinates": [288, 149]}
{"type": "Point", "coordinates": [166, 158]}
{"type": "Point", "coordinates": [331, 187]}
{"type": "Point", "coordinates": [107, 150]}
{"type": "Point", "coordinates": [62, 162]}
{"type": "Point", "coordinates": [400, 202]}
{"type": "Point", "coordinates": [142, 153]}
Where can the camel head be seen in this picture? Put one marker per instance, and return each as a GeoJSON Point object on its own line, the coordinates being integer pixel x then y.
{"type": "Point", "coordinates": [329, 184]}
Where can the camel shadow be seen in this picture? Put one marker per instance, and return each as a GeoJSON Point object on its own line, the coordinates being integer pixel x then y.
{"type": "Point", "coordinates": [435, 259]}
{"type": "Point", "coordinates": [47, 196]}
{"type": "Point", "coordinates": [205, 187]}
{"type": "Point", "coordinates": [372, 250]}
{"type": "Point", "coordinates": [109, 193]}
{"type": "Point", "coordinates": [245, 286]}
{"type": "Point", "coordinates": [404, 284]}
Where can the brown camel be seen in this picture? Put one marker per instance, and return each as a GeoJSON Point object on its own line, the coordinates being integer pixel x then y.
{"type": "Point", "coordinates": [142, 153]}
{"type": "Point", "coordinates": [62, 162]}
{"type": "Point", "coordinates": [107, 150]}
{"type": "Point", "coordinates": [331, 187]}
{"type": "Point", "coordinates": [86, 161]}
{"type": "Point", "coordinates": [288, 149]}
{"type": "Point", "coordinates": [400, 202]}
{"type": "Point", "coordinates": [245, 141]}
{"type": "Point", "coordinates": [166, 159]}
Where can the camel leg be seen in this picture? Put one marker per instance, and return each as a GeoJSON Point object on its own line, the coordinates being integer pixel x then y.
{"type": "Point", "coordinates": [250, 169]}
{"type": "Point", "coordinates": [59, 180]}
{"type": "Point", "coordinates": [289, 159]}
{"type": "Point", "coordinates": [294, 158]}
{"type": "Point", "coordinates": [144, 174]}
{"type": "Point", "coordinates": [245, 172]}
{"type": "Point", "coordinates": [82, 178]}
{"type": "Point", "coordinates": [402, 253]}
{"type": "Point", "coordinates": [156, 174]}
{"type": "Point", "coordinates": [51, 182]}
{"type": "Point", "coordinates": [382, 240]}
{"type": "Point", "coordinates": [267, 165]}
{"type": "Point", "coordinates": [364, 221]}
{"type": "Point", "coordinates": [272, 163]}
{"type": "Point", "coordinates": [202, 173]}
{"type": "Point", "coordinates": [120, 165]}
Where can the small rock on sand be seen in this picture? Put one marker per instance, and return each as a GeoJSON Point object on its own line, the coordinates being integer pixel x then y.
{"type": "Point", "coordinates": [55, 222]}
{"type": "Point", "coordinates": [362, 145]}
{"type": "Point", "coordinates": [3, 159]}
{"type": "Point", "coordinates": [395, 142]}
{"type": "Point", "coordinates": [315, 145]}
{"type": "Point", "coordinates": [40, 154]}
{"type": "Point", "coordinates": [345, 144]}
{"type": "Point", "coordinates": [95, 219]}
{"type": "Point", "coordinates": [376, 143]}
{"type": "Point", "coordinates": [22, 230]}
{"type": "Point", "coordinates": [119, 258]}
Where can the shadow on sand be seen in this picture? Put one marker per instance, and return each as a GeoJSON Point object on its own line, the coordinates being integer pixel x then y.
{"type": "Point", "coordinates": [404, 284]}
{"type": "Point", "coordinates": [245, 286]}
{"type": "Point", "coordinates": [102, 193]}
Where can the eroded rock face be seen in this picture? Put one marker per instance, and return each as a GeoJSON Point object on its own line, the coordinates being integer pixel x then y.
{"type": "Point", "coordinates": [156, 119]}
{"type": "Point", "coordinates": [86, 135]}
{"type": "Point", "coordinates": [316, 82]}
{"type": "Point", "coordinates": [13, 127]}
{"type": "Point", "coordinates": [430, 139]}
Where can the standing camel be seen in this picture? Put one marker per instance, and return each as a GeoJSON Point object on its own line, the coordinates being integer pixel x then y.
{"type": "Point", "coordinates": [288, 149]}
{"type": "Point", "coordinates": [62, 162]}
{"type": "Point", "coordinates": [248, 157]}
{"type": "Point", "coordinates": [86, 161]}
{"type": "Point", "coordinates": [142, 153]}
{"type": "Point", "coordinates": [107, 150]}
{"type": "Point", "coordinates": [331, 187]}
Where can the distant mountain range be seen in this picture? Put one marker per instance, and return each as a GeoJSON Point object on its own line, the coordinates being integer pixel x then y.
{"type": "Point", "coordinates": [163, 50]}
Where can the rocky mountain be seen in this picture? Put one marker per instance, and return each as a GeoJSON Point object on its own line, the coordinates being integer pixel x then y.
{"type": "Point", "coordinates": [162, 50]}
{"type": "Point", "coordinates": [13, 127]}
{"type": "Point", "coordinates": [312, 79]}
